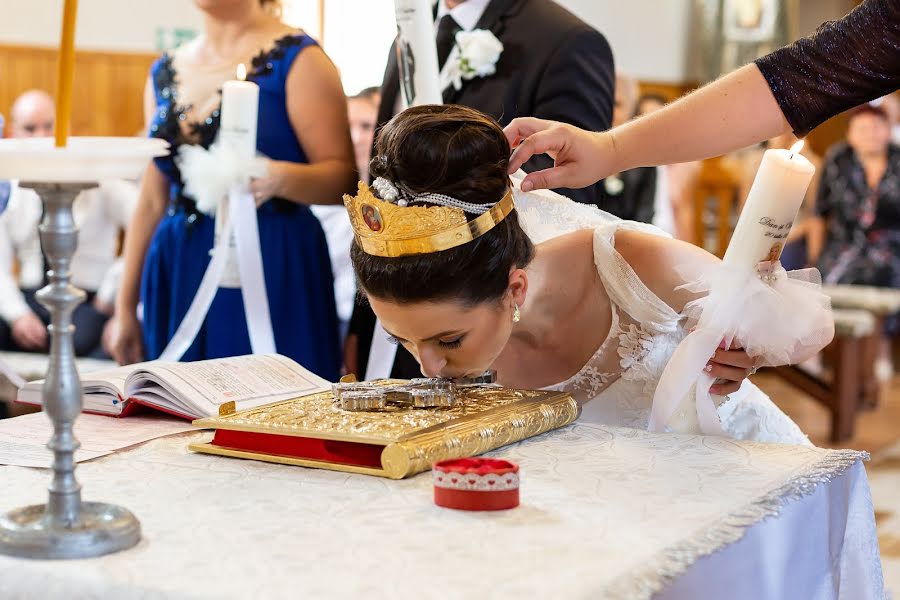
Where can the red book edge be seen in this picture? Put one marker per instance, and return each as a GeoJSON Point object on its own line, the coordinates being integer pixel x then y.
{"type": "Point", "coordinates": [343, 453]}
{"type": "Point", "coordinates": [131, 406]}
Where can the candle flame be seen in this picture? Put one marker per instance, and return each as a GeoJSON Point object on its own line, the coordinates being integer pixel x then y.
{"type": "Point", "coordinates": [796, 148]}
{"type": "Point", "coordinates": [241, 72]}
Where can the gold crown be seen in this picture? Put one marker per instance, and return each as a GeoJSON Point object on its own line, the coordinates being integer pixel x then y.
{"type": "Point", "coordinates": [389, 230]}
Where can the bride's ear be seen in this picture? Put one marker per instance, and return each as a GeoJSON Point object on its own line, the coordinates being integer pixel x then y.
{"type": "Point", "coordinates": [518, 285]}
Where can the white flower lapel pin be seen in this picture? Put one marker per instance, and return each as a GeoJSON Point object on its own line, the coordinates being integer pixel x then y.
{"type": "Point", "coordinates": [478, 53]}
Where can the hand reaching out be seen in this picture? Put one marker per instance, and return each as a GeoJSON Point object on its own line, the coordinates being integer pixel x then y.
{"type": "Point", "coordinates": [581, 158]}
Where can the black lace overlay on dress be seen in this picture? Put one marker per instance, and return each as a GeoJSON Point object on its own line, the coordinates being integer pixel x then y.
{"type": "Point", "coordinates": [171, 114]}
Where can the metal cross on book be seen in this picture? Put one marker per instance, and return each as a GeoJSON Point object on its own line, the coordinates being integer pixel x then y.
{"type": "Point", "coordinates": [381, 396]}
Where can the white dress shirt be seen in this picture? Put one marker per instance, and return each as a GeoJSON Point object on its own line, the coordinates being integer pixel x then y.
{"type": "Point", "coordinates": [466, 14]}
{"type": "Point", "coordinates": [339, 234]}
{"type": "Point", "coordinates": [663, 213]}
{"type": "Point", "coordinates": [100, 213]}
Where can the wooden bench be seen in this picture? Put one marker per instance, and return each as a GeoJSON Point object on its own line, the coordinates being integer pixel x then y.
{"type": "Point", "coordinates": [882, 303]}
{"type": "Point", "coordinates": [848, 389]}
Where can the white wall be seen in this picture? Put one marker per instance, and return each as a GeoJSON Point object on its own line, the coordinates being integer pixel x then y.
{"type": "Point", "coordinates": [118, 25]}
{"type": "Point", "coordinates": [649, 38]}
{"type": "Point", "coordinates": [358, 32]}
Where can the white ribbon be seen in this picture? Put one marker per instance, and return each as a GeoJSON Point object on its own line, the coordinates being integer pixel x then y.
{"type": "Point", "coordinates": [243, 223]}
{"type": "Point", "coordinates": [780, 320]}
{"type": "Point", "coordinates": [250, 267]}
{"type": "Point", "coordinates": [382, 353]}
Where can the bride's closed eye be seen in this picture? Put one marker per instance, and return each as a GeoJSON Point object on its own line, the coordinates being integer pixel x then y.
{"type": "Point", "coordinates": [452, 344]}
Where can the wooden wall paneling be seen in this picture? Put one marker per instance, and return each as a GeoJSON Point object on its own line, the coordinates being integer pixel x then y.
{"type": "Point", "coordinates": [109, 86]}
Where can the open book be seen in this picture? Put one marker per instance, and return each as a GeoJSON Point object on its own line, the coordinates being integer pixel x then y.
{"type": "Point", "coordinates": [191, 390]}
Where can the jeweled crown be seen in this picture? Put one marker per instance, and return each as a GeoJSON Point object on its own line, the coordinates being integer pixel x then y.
{"type": "Point", "coordinates": [387, 229]}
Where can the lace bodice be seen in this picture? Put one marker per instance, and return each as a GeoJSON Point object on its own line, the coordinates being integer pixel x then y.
{"type": "Point", "coordinates": [617, 384]}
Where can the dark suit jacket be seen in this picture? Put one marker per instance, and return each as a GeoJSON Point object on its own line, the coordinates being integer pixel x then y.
{"type": "Point", "coordinates": [553, 66]}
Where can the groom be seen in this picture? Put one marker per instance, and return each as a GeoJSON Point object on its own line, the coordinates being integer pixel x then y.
{"type": "Point", "coordinates": [553, 66]}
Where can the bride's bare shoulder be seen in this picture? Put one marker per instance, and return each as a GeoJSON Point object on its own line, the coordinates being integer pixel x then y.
{"type": "Point", "coordinates": [661, 262]}
{"type": "Point", "coordinates": [576, 243]}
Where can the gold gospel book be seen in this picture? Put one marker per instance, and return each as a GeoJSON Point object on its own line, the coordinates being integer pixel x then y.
{"type": "Point", "coordinates": [314, 431]}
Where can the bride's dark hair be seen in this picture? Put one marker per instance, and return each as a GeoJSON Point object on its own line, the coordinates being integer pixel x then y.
{"type": "Point", "coordinates": [459, 152]}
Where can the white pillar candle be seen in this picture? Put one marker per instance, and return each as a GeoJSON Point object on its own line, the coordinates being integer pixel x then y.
{"type": "Point", "coordinates": [237, 128]}
{"type": "Point", "coordinates": [768, 215]}
{"type": "Point", "coordinates": [240, 109]}
{"type": "Point", "coordinates": [417, 52]}
{"type": "Point", "coordinates": [771, 208]}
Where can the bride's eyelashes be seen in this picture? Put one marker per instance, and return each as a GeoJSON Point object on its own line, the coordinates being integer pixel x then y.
{"type": "Point", "coordinates": [449, 345]}
{"type": "Point", "coordinates": [453, 344]}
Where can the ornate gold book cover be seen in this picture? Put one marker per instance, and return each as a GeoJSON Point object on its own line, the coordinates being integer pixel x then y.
{"type": "Point", "coordinates": [314, 431]}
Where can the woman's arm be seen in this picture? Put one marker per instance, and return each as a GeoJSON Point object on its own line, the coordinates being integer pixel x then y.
{"type": "Point", "coordinates": [735, 111]}
{"type": "Point", "coordinates": [845, 63]}
{"type": "Point", "coordinates": [317, 110]}
{"type": "Point", "coordinates": [822, 207]}
{"type": "Point", "coordinates": [149, 211]}
{"type": "Point", "coordinates": [815, 239]}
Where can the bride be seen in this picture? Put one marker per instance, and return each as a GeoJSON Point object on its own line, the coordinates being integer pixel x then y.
{"type": "Point", "coordinates": [469, 273]}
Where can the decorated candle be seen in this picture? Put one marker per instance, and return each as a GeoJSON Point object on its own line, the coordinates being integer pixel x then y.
{"type": "Point", "coordinates": [65, 73]}
{"type": "Point", "coordinates": [240, 109]}
{"type": "Point", "coordinates": [417, 52]}
{"type": "Point", "coordinates": [771, 208]}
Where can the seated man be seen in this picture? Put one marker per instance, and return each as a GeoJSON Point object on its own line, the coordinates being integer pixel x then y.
{"type": "Point", "coordinates": [100, 214]}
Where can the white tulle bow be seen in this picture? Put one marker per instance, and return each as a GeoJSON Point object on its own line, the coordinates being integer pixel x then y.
{"type": "Point", "coordinates": [777, 317]}
{"type": "Point", "coordinates": [208, 175]}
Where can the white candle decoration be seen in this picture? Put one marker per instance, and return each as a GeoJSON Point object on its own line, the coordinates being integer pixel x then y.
{"type": "Point", "coordinates": [417, 52]}
{"type": "Point", "coordinates": [240, 109]}
{"type": "Point", "coordinates": [239, 113]}
{"type": "Point", "coordinates": [771, 208]}
{"type": "Point", "coordinates": [775, 317]}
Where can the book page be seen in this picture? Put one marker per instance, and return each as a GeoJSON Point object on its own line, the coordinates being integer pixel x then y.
{"type": "Point", "coordinates": [95, 382]}
{"type": "Point", "coordinates": [246, 380]}
{"type": "Point", "coordinates": [23, 440]}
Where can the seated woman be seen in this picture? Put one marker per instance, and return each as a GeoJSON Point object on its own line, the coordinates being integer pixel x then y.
{"type": "Point", "coordinates": [469, 273]}
{"type": "Point", "coordinates": [856, 232]}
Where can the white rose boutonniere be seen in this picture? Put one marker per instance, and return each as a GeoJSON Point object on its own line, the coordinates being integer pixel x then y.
{"type": "Point", "coordinates": [478, 53]}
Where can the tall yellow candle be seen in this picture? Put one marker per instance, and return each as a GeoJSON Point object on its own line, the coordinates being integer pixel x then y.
{"type": "Point", "coordinates": [65, 73]}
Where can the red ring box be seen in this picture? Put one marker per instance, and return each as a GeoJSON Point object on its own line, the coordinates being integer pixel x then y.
{"type": "Point", "coordinates": [476, 484]}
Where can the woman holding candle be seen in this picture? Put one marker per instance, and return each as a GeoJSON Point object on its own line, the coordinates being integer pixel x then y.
{"type": "Point", "coordinates": [551, 294]}
{"type": "Point", "coordinates": [302, 130]}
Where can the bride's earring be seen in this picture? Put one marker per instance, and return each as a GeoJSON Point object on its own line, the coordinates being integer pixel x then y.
{"type": "Point", "coordinates": [517, 316]}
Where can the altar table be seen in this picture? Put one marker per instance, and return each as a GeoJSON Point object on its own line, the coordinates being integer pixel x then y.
{"type": "Point", "coordinates": [606, 513]}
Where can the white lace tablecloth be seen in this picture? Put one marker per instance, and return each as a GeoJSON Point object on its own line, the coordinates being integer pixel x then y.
{"type": "Point", "coordinates": [606, 513]}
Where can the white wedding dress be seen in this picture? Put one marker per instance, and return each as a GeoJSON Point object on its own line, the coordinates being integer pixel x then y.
{"type": "Point", "coordinates": [617, 384]}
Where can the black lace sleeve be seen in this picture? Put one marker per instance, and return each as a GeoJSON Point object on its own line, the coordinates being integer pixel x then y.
{"type": "Point", "coordinates": [843, 64]}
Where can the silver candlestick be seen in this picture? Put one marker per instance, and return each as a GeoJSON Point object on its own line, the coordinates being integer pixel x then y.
{"type": "Point", "coordinates": [65, 527]}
